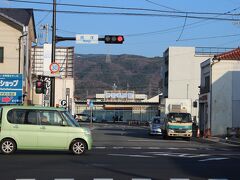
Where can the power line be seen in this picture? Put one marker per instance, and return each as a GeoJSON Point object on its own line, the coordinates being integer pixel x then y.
{"type": "Point", "coordinates": [137, 14]}
{"type": "Point", "coordinates": [160, 5]}
{"type": "Point", "coordinates": [177, 27]}
{"type": "Point", "coordinates": [122, 8]}
{"type": "Point", "coordinates": [43, 18]}
{"type": "Point", "coordinates": [210, 37]}
{"type": "Point", "coordinates": [182, 28]}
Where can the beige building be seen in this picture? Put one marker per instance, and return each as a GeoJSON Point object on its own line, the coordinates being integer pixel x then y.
{"type": "Point", "coordinates": [17, 33]}
{"type": "Point", "coordinates": [64, 81]}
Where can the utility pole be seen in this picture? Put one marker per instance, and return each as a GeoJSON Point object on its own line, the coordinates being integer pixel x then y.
{"type": "Point", "coordinates": [52, 95]}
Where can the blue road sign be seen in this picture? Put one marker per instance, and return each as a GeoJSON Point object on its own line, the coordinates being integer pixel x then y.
{"type": "Point", "coordinates": [91, 104]}
{"type": "Point", "coordinates": [11, 88]}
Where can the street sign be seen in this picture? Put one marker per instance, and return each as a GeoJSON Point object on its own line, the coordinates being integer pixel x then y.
{"type": "Point", "coordinates": [11, 90]}
{"type": "Point", "coordinates": [63, 102]}
{"type": "Point", "coordinates": [91, 104]}
{"type": "Point", "coordinates": [54, 67]}
{"type": "Point", "coordinates": [87, 39]}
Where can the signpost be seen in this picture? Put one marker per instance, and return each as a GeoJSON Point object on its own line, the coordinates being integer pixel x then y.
{"type": "Point", "coordinates": [54, 67]}
{"type": "Point", "coordinates": [87, 39]}
{"type": "Point", "coordinates": [64, 103]}
{"type": "Point", "coordinates": [11, 89]}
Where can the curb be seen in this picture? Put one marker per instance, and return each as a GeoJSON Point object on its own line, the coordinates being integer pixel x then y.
{"type": "Point", "coordinates": [216, 140]}
{"type": "Point", "coordinates": [232, 142]}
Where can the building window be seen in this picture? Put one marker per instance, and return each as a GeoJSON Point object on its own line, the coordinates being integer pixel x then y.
{"type": "Point", "coordinates": [207, 83]}
{"type": "Point", "coordinates": [1, 54]}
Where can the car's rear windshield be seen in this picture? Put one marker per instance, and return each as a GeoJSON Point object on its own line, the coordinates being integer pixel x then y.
{"type": "Point", "coordinates": [158, 121]}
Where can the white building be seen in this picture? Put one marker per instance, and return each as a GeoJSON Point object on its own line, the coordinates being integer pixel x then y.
{"type": "Point", "coordinates": [64, 81]}
{"type": "Point", "coordinates": [219, 96]}
{"type": "Point", "coordinates": [181, 75]}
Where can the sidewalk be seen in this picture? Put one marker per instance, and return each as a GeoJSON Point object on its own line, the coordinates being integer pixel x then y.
{"type": "Point", "coordinates": [233, 141]}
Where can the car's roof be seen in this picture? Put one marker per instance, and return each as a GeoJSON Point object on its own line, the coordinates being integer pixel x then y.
{"type": "Point", "coordinates": [32, 107]}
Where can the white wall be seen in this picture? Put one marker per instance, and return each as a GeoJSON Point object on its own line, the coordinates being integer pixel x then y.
{"type": "Point", "coordinates": [166, 102]}
{"type": "Point", "coordinates": [224, 75]}
{"type": "Point", "coordinates": [184, 74]}
{"type": "Point", "coordinates": [60, 90]}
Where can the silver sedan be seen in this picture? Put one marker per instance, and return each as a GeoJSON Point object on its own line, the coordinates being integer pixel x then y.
{"type": "Point", "coordinates": [156, 126]}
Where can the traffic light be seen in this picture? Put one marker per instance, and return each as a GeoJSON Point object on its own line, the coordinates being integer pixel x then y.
{"type": "Point", "coordinates": [113, 39]}
{"type": "Point", "coordinates": [40, 87]}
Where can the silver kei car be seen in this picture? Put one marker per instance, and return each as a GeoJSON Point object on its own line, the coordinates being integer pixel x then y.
{"type": "Point", "coordinates": [156, 126]}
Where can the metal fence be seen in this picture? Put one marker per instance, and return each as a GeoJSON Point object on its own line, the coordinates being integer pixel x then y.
{"type": "Point", "coordinates": [122, 115]}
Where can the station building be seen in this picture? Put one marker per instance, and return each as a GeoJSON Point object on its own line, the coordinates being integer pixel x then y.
{"type": "Point", "coordinates": [120, 105]}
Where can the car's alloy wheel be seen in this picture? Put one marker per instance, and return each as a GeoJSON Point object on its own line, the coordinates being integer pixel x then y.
{"type": "Point", "coordinates": [8, 146]}
{"type": "Point", "coordinates": [78, 147]}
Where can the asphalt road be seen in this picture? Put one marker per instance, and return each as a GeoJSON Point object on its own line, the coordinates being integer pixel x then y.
{"type": "Point", "coordinates": [124, 153]}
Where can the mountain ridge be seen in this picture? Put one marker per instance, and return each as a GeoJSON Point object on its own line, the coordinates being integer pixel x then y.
{"type": "Point", "coordinates": [94, 73]}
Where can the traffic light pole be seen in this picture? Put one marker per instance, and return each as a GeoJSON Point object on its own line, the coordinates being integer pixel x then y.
{"type": "Point", "coordinates": [52, 95]}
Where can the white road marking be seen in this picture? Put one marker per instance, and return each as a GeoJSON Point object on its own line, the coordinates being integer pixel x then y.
{"type": "Point", "coordinates": [173, 148]}
{"type": "Point", "coordinates": [212, 159]}
{"type": "Point", "coordinates": [154, 148]}
{"type": "Point", "coordinates": [100, 147]}
{"type": "Point", "coordinates": [177, 154]}
{"type": "Point", "coordinates": [143, 140]}
{"type": "Point", "coordinates": [191, 149]}
{"type": "Point", "coordinates": [135, 147]}
{"type": "Point", "coordinates": [131, 155]}
{"type": "Point", "coordinates": [116, 147]}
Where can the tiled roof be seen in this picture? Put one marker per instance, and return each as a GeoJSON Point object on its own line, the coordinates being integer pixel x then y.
{"type": "Point", "coordinates": [20, 15]}
{"type": "Point", "coordinates": [230, 55]}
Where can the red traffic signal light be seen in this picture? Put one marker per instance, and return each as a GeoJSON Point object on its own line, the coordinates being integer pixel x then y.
{"type": "Point", "coordinates": [40, 87]}
{"type": "Point", "coordinates": [113, 39]}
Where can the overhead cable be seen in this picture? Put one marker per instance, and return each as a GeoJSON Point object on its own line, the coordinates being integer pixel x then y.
{"type": "Point", "coordinates": [137, 14]}
{"type": "Point", "coordinates": [122, 8]}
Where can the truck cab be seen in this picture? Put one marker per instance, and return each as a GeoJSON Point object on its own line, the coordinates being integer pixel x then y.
{"type": "Point", "coordinates": [178, 124]}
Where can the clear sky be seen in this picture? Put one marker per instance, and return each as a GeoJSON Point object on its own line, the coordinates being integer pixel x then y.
{"type": "Point", "coordinates": [144, 35]}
